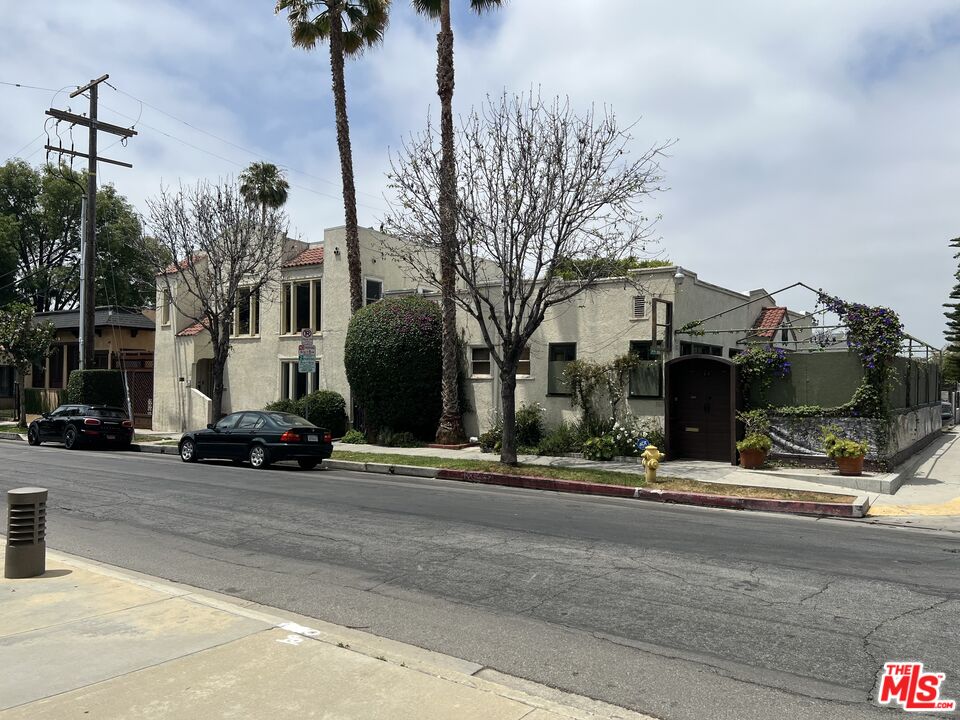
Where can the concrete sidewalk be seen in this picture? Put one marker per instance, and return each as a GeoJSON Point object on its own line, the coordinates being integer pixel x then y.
{"type": "Point", "coordinates": [89, 641]}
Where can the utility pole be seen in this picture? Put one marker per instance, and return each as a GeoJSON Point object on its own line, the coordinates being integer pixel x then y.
{"type": "Point", "coordinates": [88, 248]}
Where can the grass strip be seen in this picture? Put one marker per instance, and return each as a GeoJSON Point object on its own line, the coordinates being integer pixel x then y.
{"type": "Point", "coordinates": [589, 475]}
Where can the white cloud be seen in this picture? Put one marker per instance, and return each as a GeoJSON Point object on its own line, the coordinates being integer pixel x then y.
{"type": "Point", "coordinates": [817, 140]}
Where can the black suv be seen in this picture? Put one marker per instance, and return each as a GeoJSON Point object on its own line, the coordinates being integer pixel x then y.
{"type": "Point", "coordinates": [77, 425]}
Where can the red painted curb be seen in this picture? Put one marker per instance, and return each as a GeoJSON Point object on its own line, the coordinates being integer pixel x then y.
{"type": "Point", "coordinates": [796, 507]}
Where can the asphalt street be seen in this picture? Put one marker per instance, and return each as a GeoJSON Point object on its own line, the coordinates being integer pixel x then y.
{"type": "Point", "coordinates": [678, 612]}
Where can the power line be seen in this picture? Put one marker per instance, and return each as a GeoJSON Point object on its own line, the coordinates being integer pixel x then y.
{"type": "Point", "coordinates": [247, 150]}
{"type": "Point", "coordinates": [28, 87]}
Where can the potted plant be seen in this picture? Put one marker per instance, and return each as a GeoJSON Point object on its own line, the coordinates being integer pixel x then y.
{"type": "Point", "coordinates": [847, 453]}
{"type": "Point", "coordinates": [753, 450]}
{"type": "Point", "coordinates": [756, 443]}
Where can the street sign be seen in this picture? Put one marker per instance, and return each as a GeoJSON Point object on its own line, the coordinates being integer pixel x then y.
{"type": "Point", "coordinates": [307, 358]}
{"type": "Point", "coordinates": [306, 334]}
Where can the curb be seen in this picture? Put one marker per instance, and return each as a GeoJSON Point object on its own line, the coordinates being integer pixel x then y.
{"type": "Point", "coordinates": [857, 509]}
{"type": "Point", "coordinates": [11, 436]}
{"type": "Point", "coordinates": [381, 468]}
{"type": "Point", "coordinates": [156, 449]}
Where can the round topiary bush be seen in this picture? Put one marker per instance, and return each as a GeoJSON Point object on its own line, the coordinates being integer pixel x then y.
{"type": "Point", "coordinates": [325, 408]}
{"type": "Point", "coordinates": [393, 361]}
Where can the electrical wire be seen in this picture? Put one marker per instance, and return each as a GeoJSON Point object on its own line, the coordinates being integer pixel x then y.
{"type": "Point", "coordinates": [247, 150]}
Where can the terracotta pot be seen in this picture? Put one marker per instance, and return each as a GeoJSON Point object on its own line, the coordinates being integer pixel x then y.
{"type": "Point", "coordinates": [752, 459]}
{"type": "Point", "coordinates": [850, 465]}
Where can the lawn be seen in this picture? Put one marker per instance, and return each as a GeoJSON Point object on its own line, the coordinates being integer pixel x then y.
{"type": "Point", "coordinates": [603, 477]}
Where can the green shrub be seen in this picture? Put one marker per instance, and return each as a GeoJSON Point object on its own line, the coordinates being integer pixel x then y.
{"type": "Point", "coordinates": [353, 437]}
{"type": "Point", "coordinates": [392, 357]}
{"type": "Point", "coordinates": [529, 424]}
{"type": "Point", "coordinates": [284, 406]}
{"type": "Point", "coordinates": [836, 445]}
{"type": "Point", "coordinates": [491, 439]}
{"type": "Point", "coordinates": [96, 387]}
{"type": "Point", "coordinates": [756, 441]}
{"type": "Point", "coordinates": [599, 448]}
{"type": "Point", "coordinates": [325, 408]}
{"type": "Point", "coordinates": [561, 440]}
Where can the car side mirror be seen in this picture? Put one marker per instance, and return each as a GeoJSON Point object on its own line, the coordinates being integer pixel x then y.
{"type": "Point", "coordinates": [45, 415]}
{"type": "Point", "coordinates": [211, 426]}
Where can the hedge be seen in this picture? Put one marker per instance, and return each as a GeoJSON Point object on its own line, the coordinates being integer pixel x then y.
{"type": "Point", "coordinates": [393, 361]}
{"type": "Point", "coordinates": [96, 387]}
{"type": "Point", "coordinates": [325, 408]}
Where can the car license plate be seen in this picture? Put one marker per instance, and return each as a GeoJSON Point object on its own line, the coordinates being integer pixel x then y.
{"type": "Point", "coordinates": [111, 437]}
{"type": "Point", "coordinates": [313, 438]}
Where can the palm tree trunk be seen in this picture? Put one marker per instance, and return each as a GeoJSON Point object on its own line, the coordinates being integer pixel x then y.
{"type": "Point", "coordinates": [451, 427]}
{"type": "Point", "coordinates": [346, 157]}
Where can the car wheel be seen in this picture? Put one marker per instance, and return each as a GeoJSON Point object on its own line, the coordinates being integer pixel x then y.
{"type": "Point", "coordinates": [259, 457]}
{"type": "Point", "coordinates": [70, 438]}
{"type": "Point", "coordinates": [188, 451]}
{"type": "Point", "coordinates": [33, 435]}
{"type": "Point", "coordinates": [308, 464]}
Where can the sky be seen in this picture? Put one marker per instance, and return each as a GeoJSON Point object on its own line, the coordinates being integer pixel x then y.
{"type": "Point", "coordinates": [816, 140]}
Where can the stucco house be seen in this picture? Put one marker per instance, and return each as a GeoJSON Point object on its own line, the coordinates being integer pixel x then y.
{"type": "Point", "coordinates": [620, 316]}
{"type": "Point", "coordinates": [313, 292]}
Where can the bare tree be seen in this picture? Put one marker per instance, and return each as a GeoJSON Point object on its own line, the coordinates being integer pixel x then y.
{"type": "Point", "coordinates": [539, 189]}
{"type": "Point", "coordinates": [220, 244]}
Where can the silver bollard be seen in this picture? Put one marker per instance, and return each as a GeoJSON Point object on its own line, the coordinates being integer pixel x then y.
{"type": "Point", "coordinates": [26, 551]}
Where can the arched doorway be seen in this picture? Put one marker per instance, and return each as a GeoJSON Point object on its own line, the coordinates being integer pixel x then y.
{"type": "Point", "coordinates": [700, 408]}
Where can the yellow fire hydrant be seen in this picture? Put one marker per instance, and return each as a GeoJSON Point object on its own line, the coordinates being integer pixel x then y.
{"type": "Point", "coordinates": [651, 457]}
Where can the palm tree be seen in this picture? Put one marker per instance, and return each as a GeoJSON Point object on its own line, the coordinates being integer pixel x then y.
{"type": "Point", "coordinates": [451, 425]}
{"type": "Point", "coordinates": [264, 184]}
{"type": "Point", "coordinates": [349, 27]}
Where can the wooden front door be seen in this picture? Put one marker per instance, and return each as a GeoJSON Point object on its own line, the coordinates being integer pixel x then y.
{"type": "Point", "coordinates": [700, 395]}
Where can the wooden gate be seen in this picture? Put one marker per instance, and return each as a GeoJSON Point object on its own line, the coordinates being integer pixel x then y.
{"type": "Point", "coordinates": [700, 408]}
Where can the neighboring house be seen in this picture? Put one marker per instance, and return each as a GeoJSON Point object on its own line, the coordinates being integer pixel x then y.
{"type": "Point", "coordinates": [123, 340]}
{"type": "Point", "coordinates": [618, 317]}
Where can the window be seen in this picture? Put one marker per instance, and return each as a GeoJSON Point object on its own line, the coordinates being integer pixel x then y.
{"type": "Point", "coordinates": [300, 306]}
{"type": "Point", "coordinates": [101, 359]}
{"type": "Point", "coordinates": [250, 421]}
{"type": "Point", "coordinates": [38, 376]}
{"type": "Point", "coordinates": [6, 381]}
{"type": "Point", "coordinates": [373, 291]}
{"type": "Point", "coordinates": [688, 348]}
{"type": "Point", "coordinates": [295, 384]}
{"type": "Point", "coordinates": [57, 360]}
{"type": "Point", "coordinates": [480, 362]}
{"type": "Point", "coordinates": [523, 366]}
{"type": "Point", "coordinates": [559, 355]}
{"type": "Point", "coordinates": [639, 306]}
{"type": "Point", "coordinates": [663, 324]}
{"type": "Point", "coordinates": [733, 352]}
{"type": "Point", "coordinates": [229, 422]}
{"type": "Point", "coordinates": [646, 380]}
{"type": "Point", "coordinates": [246, 316]}
{"type": "Point", "coordinates": [73, 358]}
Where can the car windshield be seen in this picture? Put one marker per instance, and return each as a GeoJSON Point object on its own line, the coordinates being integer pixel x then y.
{"type": "Point", "coordinates": [109, 413]}
{"type": "Point", "coordinates": [289, 419]}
